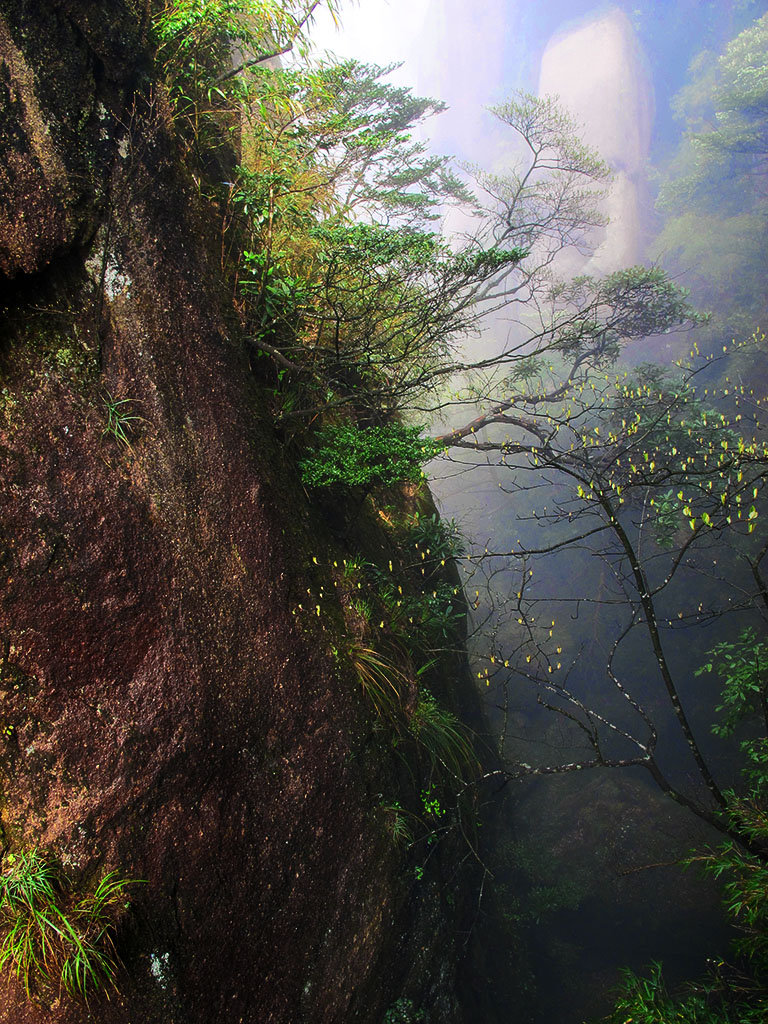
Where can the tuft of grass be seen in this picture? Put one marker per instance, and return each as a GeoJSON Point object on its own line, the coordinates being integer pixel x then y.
{"type": "Point", "coordinates": [54, 938]}
{"type": "Point", "coordinates": [443, 737]}
{"type": "Point", "coordinates": [362, 608]}
{"type": "Point", "coordinates": [399, 830]}
{"type": "Point", "coordinates": [353, 569]}
{"type": "Point", "coordinates": [384, 684]}
{"type": "Point", "coordinates": [120, 419]}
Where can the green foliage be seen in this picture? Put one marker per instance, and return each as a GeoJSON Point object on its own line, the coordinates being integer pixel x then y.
{"type": "Point", "coordinates": [667, 518]}
{"type": "Point", "coordinates": [327, 223]}
{"type": "Point", "coordinates": [743, 667]}
{"type": "Point", "coordinates": [384, 683]}
{"type": "Point", "coordinates": [361, 608]}
{"type": "Point", "coordinates": [358, 457]}
{"type": "Point", "coordinates": [711, 197]}
{"type": "Point", "coordinates": [279, 298]}
{"type": "Point", "coordinates": [648, 1001]}
{"type": "Point", "coordinates": [438, 539]}
{"type": "Point", "coordinates": [725, 106]}
{"type": "Point", "coordinates": [430, 801]}
{"type": "Point", "coordinates": [569, 204]}
{"type": "Point", "coordinates": [443, 736]}
{"type": "Point", "coordinates": [343, 125]}
{"type": "Point", "coordinates": [404, 1012]}
{"type": "Point", "coordinates": [730, 995]}
{"type": "Point", "coordinates": [746, 889]}
{"type": "Point", "coordinates": [120, 420]}
{"type": "Point", "coordinates": [367, 304]}
{"type": "Point", "coordinates": [432, 617]}
{"type": "Point", "coordinates": [650, 441]}
{"type": "Point", "coordinates": [197, 39]}
{"type": "Point", "coordinates": [53, 936]}
{"type": "Point", "coordinates": [423, 621]}
{"type": "Point", "coordinates": [352, 568]}
{"type": "Point", "coordinates": [599, 315]}
{"type": "Point", "coordinates": [755, 768]}
{"type": "Point", "coordinates": [399, 830]}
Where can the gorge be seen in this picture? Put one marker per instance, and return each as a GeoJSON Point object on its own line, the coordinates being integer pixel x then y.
{"type": "Point", "coordinates": [278, 743]}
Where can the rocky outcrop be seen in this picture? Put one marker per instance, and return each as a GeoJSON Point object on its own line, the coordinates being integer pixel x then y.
{"type": "Point", "coordinates": [164, 711]}
{"type": "Point", "coordinates": [611, 98]}
{"type": "Point", "coordinates": [64, 69]}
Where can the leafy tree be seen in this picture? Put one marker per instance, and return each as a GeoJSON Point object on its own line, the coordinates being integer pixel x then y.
{"type": "Point", "coordinates": [350, 305]}
{"type": "Point", "coordinates": [388, 302]}
{"type": "Point", "coordinates": [712, 198]}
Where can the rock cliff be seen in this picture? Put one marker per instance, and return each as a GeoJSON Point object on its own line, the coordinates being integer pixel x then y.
{"type": "Point", "coordinates": [163, 710]}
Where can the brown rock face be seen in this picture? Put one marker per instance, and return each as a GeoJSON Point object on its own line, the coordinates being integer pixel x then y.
{"type": "Point", "coordinates": [163, 712]}
{"type": "Point", "coordinates": [61, 66]}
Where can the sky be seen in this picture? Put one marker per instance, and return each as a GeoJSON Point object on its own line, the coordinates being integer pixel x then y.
{"type": "Point", "coordinates": [446, 54]}
{"type": "Point", "coordinates": [471, 53]}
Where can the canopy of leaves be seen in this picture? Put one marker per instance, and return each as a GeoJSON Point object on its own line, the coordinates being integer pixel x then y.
{"type": "Point", "coordinates": [713, 200]}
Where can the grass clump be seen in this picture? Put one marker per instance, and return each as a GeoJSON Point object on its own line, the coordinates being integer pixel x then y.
{"type": "Point", "coordinates": [384, 684]}
{"type": "Point", "coordinates": [400, 831]}
{"type": "Point", "coordinates": [55, 938]}
{"type": "Point", "coordinates": [120, 420]}
{"type": "Point", "coordinates": [443, 736]}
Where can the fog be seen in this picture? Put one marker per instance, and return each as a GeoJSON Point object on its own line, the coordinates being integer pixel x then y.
{"type": "Point", "coordinates": [615, 68]}
{"type": "Point", "coordinates": [598, 72]}
{"type": "Point", "coordinates": [472, 62]}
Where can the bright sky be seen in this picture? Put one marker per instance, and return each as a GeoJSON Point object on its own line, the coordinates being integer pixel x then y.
{"type": "Point", "coordinates": [451, 50]}
{"type": "Point", "coordinates": [374, 31]}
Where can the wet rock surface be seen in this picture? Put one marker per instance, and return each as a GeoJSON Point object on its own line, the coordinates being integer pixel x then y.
{"type": "Point", "coordinates": [162, 711]}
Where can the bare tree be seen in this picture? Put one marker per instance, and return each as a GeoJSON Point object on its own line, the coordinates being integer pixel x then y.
{"type": "Point", "coordinates": [659, 477]}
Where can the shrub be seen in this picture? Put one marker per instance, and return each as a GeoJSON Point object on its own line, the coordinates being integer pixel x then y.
{"type": "Point", "coordinates": [360, 456]}
{"type": "Point", "coordinates": [437, 538]}
{"type": "Point", "coordinates": [422, 622]}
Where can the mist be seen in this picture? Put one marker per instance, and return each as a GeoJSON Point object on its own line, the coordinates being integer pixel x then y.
{"type": "Point", "coordinates": [616, 68]}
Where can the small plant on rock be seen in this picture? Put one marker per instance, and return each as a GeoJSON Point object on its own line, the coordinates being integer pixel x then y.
{"type": "Point", "coordinates": [404, 1012]}
{"type": "Point", "coordinates": [54, 937]}
{"type": "Point", "coordinates": [399, 830]}
{"type": "Point", "coordinates": [384, 684]}
{"type": "Point", "coordinates": [438, 539]}
{"type": "Point", "coordinates": [443, 737]}
{"type": "Point", "coordinates": [120, 419]}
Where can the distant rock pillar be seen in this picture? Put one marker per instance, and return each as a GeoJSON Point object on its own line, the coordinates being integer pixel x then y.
{"type": "Point", "coordinates": [597, 70]}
